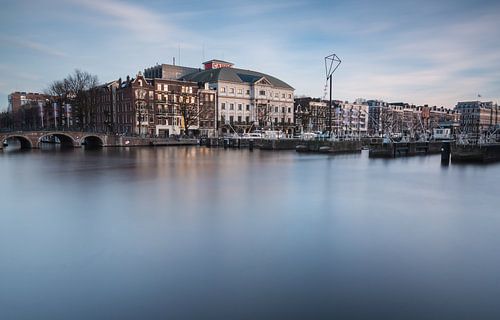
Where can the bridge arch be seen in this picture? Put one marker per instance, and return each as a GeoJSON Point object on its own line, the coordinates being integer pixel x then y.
{"type": "Point", "coordinates": [66, 140]}
{"type": "Point", "coordinates": [92, 141]}
{"type": "Point", "coordinates": [25, 141]}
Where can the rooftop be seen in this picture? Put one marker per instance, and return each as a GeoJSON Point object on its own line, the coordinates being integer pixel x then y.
{"type": "Point", "coordinates": [234, 75]}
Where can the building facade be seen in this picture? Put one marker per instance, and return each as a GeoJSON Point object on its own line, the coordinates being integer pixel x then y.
{"type": "Point", "coordinates": [477, 117]}
{"type": "Point", "coordinates": [351, 119]}
{"type": "Point", "coordinates": [18, 99]}
{"type": "Point", "coordinates": [247, 100]}
{"type": "Point", "coordinates": [311, 115]}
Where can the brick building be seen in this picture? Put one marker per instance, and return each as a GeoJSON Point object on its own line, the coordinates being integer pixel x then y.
{"type": "Point", "coordinates": [477, 117]}
{"type": "Point", "coordinates": [155, 107]}
{"type": "Point", "coordinates": [18, 99]}
{"type": "Point", "coordinates": [311, 114]}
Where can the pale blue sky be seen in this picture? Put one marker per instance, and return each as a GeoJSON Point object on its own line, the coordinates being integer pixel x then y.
{"type": "Point", "coordinates": [435, 52]}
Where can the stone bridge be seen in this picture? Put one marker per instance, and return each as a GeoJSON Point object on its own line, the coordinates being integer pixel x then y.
{"type": "Point", "coordinates": [33, 139]}
{"type": "Point", "coordinates": [76, 139]}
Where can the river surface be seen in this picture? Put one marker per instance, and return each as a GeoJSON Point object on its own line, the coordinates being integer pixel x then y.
{"type": "Point", "coordinates": [197, 233]}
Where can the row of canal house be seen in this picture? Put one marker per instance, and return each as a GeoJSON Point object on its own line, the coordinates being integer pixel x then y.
{"type": "Point", "coordinates": [155, 107]}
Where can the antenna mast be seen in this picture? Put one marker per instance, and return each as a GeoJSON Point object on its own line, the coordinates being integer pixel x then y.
{"type": "Point", "coordinates": [332, 62]}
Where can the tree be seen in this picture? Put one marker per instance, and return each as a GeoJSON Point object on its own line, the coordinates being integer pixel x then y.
{"type": "Point", "coordinates": [80, 90]}
{"type": "Point", "coordinates": [6, 121]}
{"type": "Point", "coordinates": [190, 111]}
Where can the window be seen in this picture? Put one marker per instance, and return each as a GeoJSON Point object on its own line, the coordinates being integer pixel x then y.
{"type": "Point", "coordinates": [231, 119]}
{"type": "Point", "coordinates": [289, 110]}
{"type": "Point", "coordinates": [276, 95]}
{"type": "Point", "coordinates": [223, 106]}
{"type": "Point", "coordinates": [262, 92]}
{"type": "Point", "coordinates": [231, 106]}
{"type": "Point", "coordinates": [283, 109]}
{"type": "Point", "coordinates": [289, 120]}
{"type": "Point", "coordinates": [239, 118]}
{"type": "Point", "coordinates": [283, 96]}
{"type": "Point", "coordinates": [165, 87]}
{"type": "Point", "coordinates": [276, 109]}
{"type": "Point", "coordinates": [247, 119]}
{"type": "Point", "coordinates": [240, 106]}
{"type": "Point", "coordinates": [248, 92]}
{"type": "Point", "coordinates": [240, 91]}
{"type": "Point", "coordinates": [289, 96]}
{"type": "Point", "coordinates": [248, 107]}
{"type": "Point", "coordinates": [223, 89]}
{"type": "Point", "coordinates": [231, 90]}
{"type": "Point", "coordinates": [158, 87]}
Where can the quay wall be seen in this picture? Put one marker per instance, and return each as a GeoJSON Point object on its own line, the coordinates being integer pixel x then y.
{"type": "Point", "coordinates": [349, 146]}
{"type": "Point", "coordinates": [475, 153]}
{"type": "Point", "coordinates": [404, 149]}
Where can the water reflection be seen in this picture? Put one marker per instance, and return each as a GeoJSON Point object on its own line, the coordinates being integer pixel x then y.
{"type": "Point", "coordinates": [188, 233]}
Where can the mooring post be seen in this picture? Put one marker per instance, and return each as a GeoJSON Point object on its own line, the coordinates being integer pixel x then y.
{"type": "Point", "coordinates": [445, 152]}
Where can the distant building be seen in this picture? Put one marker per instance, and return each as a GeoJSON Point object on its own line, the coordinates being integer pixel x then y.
{"type": "Point", "coordinates": [401, 118]}
{"type": "Point", "coordinates": [477, 117]}
{"type": "Point", "coordinates": [18, 99]}
{"type": "Point", "coordinates": [311, 114]}
{"type": "Point", "coordinates": [168, 72]}
{"type": "Point", "coordinates": [351, 119]}
{"type": "Point", "coordinates": [375, 110]}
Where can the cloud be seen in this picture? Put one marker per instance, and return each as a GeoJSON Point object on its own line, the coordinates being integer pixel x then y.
{"type": "Point", "coordinates": [33, 45]}
{"type": "Point", "coordinates": [145, 24]}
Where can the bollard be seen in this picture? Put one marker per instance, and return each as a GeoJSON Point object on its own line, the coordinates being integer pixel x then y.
{"type": "Point", "coordinates": [445, 152]}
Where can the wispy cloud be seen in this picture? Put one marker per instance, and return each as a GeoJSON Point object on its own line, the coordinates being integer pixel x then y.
{"type": "Point", "coordinates": [144, 23]}
{"type": "Point", "coordinates": [34, 45]}
{"type": "Point", "coordinates": [432, 52]}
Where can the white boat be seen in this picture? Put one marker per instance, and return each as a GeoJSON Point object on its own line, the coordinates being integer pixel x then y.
{"type": "Point", "coordinates": [253, 135]}
{"type": "Point", "coordinates": [273, 134]}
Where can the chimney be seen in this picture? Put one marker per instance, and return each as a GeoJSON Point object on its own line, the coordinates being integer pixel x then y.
{"type": "Point", "coordinates": [173, 61]}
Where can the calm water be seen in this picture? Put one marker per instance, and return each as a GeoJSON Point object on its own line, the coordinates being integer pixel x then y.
{"type": "Point", "coordinates": [196, 233]}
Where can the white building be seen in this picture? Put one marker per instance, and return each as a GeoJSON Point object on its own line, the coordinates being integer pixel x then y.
{"type": "Point", "coordinates": [351, 119]}
{"type": "Point", "coordinates": [247, 100]}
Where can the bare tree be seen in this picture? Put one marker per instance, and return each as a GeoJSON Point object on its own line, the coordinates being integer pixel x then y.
{"type": "Point", "coordinates": [190, 111]}
{"type": "Point", "coordinates": [6, 121]}
{"type": "Point", "coordinates": [80, 90]}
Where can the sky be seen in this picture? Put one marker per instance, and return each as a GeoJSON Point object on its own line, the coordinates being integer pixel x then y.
{"type": "Point", "coordinates": [420, 52]}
